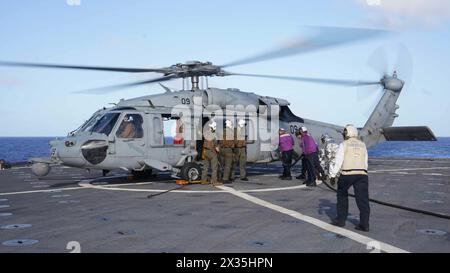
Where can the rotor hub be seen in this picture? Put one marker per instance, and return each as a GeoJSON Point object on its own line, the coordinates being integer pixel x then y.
{"type": "Point", "coordinates": [194, 69]}
{"type": "Point", "coordinates": [392, 83]}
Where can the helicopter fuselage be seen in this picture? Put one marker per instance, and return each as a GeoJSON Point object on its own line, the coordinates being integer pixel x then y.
{"type": "Point", "coordinates": [158, 143]}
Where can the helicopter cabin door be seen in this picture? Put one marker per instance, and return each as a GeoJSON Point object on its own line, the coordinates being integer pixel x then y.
{"type": "Point", "coordinates": [130, 138]}
{"type": "Point", "coordinates": [166, 140]}
{"type": "Point", "coordinates": [173, 138]}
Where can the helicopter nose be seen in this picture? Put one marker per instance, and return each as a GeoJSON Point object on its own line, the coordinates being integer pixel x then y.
{"type": "Point", "coordinates": [68, 152]}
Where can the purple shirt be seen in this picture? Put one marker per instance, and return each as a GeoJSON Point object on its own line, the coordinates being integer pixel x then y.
{"type": "Point", "coordinates": [286, 143]}
{"type": "Point", "coordinates": [308, 145]}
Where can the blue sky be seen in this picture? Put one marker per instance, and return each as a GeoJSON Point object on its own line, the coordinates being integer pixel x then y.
{"type": "Point", "coordinates": [160, 33]}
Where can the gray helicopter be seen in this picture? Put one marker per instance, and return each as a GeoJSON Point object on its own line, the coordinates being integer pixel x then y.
{"type": "Point", "coordinates": [164, 132]}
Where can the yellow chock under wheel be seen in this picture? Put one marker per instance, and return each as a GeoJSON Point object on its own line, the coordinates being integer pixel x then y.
{"type": "Point", "coordinates": [185, 182]}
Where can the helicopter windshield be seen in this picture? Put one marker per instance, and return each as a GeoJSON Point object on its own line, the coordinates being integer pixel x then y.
{"type": "Point", "coordinates": [87, 125]}
{"type": "Point", "coordinates": [104, 125]}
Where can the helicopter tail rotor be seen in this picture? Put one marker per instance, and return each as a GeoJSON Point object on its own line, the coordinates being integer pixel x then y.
{"type": "Point", "coordinates": [389, 74]}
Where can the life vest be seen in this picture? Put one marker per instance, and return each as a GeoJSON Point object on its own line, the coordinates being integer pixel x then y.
{"type": "Point", "coordinates": [355, 155]}
{"type": "Point", "coordinates": [228, 139]}
{"type": "Point", "coordinates": [210, 141]}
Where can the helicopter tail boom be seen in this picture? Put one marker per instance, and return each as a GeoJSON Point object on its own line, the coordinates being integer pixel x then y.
{"type": "Point", "coordinates": [378, 127]}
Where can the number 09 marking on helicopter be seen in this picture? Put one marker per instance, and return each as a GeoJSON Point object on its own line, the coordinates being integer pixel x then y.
{"type": "Point", "coordinates": [185, 101]}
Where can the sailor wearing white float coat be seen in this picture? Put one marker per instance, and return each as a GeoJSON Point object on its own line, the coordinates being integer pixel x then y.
{"type": "Point", "coordinates": [351, 163]}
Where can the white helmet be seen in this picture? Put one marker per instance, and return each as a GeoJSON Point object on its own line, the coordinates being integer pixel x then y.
{"type": "Point", "coordinates": [241, 123]}
{"type": "Point", "coordinates": [213, 125]}
{"type": "Point", "coordinates": [128, 118]}
{"type": "Point", "coordinates": [304, 129]}
{"type": "Point", "coordinates": [350, 131]}
{"type": "Point", "coordinates": [228, 123]}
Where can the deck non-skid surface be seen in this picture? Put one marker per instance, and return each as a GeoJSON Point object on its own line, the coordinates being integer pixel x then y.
{"type": "Point", "coordinates": [265, 214]}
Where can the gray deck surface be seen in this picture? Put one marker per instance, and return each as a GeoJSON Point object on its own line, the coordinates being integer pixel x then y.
{"type": "Point", "coordinates": [116, 215]}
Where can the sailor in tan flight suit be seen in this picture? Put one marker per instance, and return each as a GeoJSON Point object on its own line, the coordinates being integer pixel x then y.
{"type": "Point", "coordinates": [226, 149]}
{"type": "Point", "coordinates": [352, 163]}
{"type": "Point", "coordinates": [211, 150]}
{"type": "Point", "coordinates": [240, 151]}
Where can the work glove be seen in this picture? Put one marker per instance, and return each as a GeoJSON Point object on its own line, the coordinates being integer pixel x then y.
{"type": "Point", "coordinates": [333, 180]}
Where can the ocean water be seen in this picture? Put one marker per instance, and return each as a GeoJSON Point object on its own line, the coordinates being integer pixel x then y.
{"type": "Point", "coordinates": [19, 149]}
{"type": "Point", "coordinates": [426, 149]}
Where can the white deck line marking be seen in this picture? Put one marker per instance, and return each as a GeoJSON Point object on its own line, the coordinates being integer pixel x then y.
{"type": "Point", "coordinates": [126, 184]}
{"type": "Point", "coordinates": [19, 168]}
{"type": "Point", "coordinates": [410, 169]}
{"type": "Point", "coordinates": [87, 184]}
{"type": "Point", "coordinates": [37, 191]}
{"type": "Point", "coordinates": [344, 232]}
{"type": "Point", "coordinates": [277, 189]}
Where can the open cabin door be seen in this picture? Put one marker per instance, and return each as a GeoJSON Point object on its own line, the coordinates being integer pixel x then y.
{"type": "Point", "coordinates": [165, 138]}
{"type": "Point", "coordinates": [130, 139]}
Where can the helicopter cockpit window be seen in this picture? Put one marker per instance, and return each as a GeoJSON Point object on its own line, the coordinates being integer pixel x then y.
{"type": "Point", "coordinates": [105, 124]}
{"type": "Point", "coordinates": [87, 126]}
{"type": "Point", "coordinates": [131, 127]}
{"type": "Point", "coordinates": [173, 131]}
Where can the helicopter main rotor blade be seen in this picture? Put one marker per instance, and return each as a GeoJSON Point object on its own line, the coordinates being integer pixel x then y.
{"type": "Point", "coordinates": [324, 37]}
{"type": "Point", "coordinates": [99, 68]}
{"type": "Point", "coordinates": [404, 63]}
{"type": "Point", "coordinates": [306, 79]}
{"type": "Point", "coordinates": [113, 88]}
{"type": "Point", "coordinates": [378, 61]}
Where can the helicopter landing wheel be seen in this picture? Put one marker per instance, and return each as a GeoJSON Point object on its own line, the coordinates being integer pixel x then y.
{"type": "Point", "coordinates": [191, 172]}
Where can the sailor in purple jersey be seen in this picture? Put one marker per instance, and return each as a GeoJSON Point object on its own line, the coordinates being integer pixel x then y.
{"type": "Point", "coordinates": [286, 146]}
{"type": "Point", "coordinates": [310, 152]}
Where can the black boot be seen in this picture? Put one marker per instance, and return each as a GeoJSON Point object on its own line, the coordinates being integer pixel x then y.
{"type": "Point", "coordinates": [362, 228]}
{"type": "Point", "coordinates": [336, 222]}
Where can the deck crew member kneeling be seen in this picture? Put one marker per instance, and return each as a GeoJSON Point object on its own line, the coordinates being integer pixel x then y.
{"type": "Point", "coordinates": [351, 163]}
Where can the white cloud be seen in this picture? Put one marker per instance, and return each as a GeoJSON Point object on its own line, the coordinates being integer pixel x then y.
{"type": "Point", "coordinates": [404, 13]}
